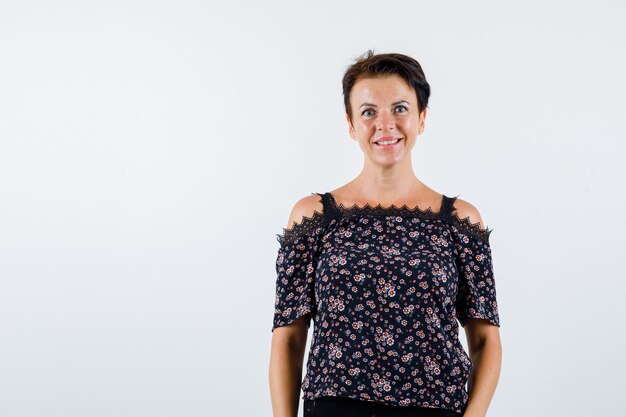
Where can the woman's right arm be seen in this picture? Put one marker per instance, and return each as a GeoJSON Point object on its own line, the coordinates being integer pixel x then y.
{"type": "Point", "coordinates": [289, 340]}
{"type": "Point", "coordinates": [285, 370]}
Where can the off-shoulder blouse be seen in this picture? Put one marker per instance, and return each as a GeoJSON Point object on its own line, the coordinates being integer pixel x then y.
{"type": "Point", "coordinates": [386, 288]}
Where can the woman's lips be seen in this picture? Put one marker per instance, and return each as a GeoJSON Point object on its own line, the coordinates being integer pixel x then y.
{"type": "Point", "coordinates": [390, 146]}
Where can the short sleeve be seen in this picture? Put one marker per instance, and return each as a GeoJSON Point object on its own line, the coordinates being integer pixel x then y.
{"type": "Point", "coordinates": [476, 296]}
{"type": "Point", "coordinates": [295, 272]}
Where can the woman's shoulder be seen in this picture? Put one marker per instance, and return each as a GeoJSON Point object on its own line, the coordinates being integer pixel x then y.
{"type": "Point", "coordinates": [305, 208]}
{"type": "Point", "coordinates": [467, 217]}
{"type": "Point", "coordinates": [465, 210]}
{"type": "Point", "coordinates": [305, 219]}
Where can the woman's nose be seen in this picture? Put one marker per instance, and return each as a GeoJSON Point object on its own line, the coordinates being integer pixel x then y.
{"type": "Point", "coordinates": [385, 122]}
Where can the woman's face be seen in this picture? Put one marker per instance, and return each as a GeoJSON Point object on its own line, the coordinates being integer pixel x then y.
{"type": "Point", "coordinates": [385, 109]}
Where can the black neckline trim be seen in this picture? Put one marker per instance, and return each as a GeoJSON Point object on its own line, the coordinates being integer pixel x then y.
{"type": "Point", "coordinates": [333, 210]}
{"type": "Point", "coordinates": [379, 209]}
{"type": "Point", "coordinates": [447, 212]}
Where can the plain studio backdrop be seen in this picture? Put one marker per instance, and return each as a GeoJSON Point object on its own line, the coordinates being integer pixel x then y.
{"type": "Point", "coordinates": [150, 151]}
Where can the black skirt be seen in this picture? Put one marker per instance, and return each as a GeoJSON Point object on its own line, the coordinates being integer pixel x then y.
{"type": "Point", "coordinates": [351, 407]}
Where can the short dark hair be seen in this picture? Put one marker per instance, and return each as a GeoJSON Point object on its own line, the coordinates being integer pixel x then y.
{"type": "Point", "coordinates": [371, 65]}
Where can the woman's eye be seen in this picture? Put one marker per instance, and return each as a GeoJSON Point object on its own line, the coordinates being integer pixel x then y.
{"type": "Point", "coordinates": [367, 112]}
{"type": "Point", "coordinates": [404, 109]}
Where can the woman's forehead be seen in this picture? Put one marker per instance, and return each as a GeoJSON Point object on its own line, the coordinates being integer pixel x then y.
{"type": "Point", "coordinates": [390, 87]}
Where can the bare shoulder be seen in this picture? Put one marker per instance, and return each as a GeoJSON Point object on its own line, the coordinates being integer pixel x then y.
{"type": "Point", "coordinates": [466, 210]}
{"type": "Point", "coordinates": [305, 207]}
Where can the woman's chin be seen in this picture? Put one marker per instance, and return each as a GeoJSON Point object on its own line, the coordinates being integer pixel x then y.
{"type": "Point", "coordinates": [387, 161]}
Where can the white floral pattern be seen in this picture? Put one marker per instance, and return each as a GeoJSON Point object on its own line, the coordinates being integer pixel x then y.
{"type": "Point", "coordinates": [386, 289]}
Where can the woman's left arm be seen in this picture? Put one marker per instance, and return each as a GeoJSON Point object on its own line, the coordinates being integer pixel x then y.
{"type": "Point", "coordinates": [485, 351]}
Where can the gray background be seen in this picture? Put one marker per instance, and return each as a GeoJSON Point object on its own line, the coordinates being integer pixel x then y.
{"type": "Point", "coordinates": [150, 151]}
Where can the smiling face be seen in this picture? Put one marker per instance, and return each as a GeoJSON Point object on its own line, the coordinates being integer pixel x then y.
{"type": "Point", "coordinates": [385, 118]}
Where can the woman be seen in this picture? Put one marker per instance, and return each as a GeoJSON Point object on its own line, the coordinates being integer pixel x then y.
{"type": "Point", "coordinates": [385, 266]}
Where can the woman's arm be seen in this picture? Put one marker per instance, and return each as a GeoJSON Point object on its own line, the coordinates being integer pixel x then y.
{"type": "Point", "coordinates": [289, 341]}
{"type": "Point", "coordinates": [485, 351]}
{"type": "Point", "coordinates": [285, 370]}
{"type": "Point", "coordinates": [483, 339]}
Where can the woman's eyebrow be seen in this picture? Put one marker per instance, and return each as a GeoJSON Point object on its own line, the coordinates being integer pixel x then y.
{"type": "Point", "coordinates": [393, 104]}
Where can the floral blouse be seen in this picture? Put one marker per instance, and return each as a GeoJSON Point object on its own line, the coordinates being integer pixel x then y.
{"type": "Point", "coordinates": [385, 287]}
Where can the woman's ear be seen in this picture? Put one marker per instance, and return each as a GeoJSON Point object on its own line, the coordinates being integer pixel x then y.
{"type": "Point", "coordinates": [350, 128]}
{"type": "Point", "coordinates": [421, 122]}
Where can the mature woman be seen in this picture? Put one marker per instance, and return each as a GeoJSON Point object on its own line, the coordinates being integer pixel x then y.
{"type": "Point", "coordinates": [387, 268]}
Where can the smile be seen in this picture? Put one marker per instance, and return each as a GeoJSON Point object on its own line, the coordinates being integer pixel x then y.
{"type": "Point", "coordinates": [387, 143]}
